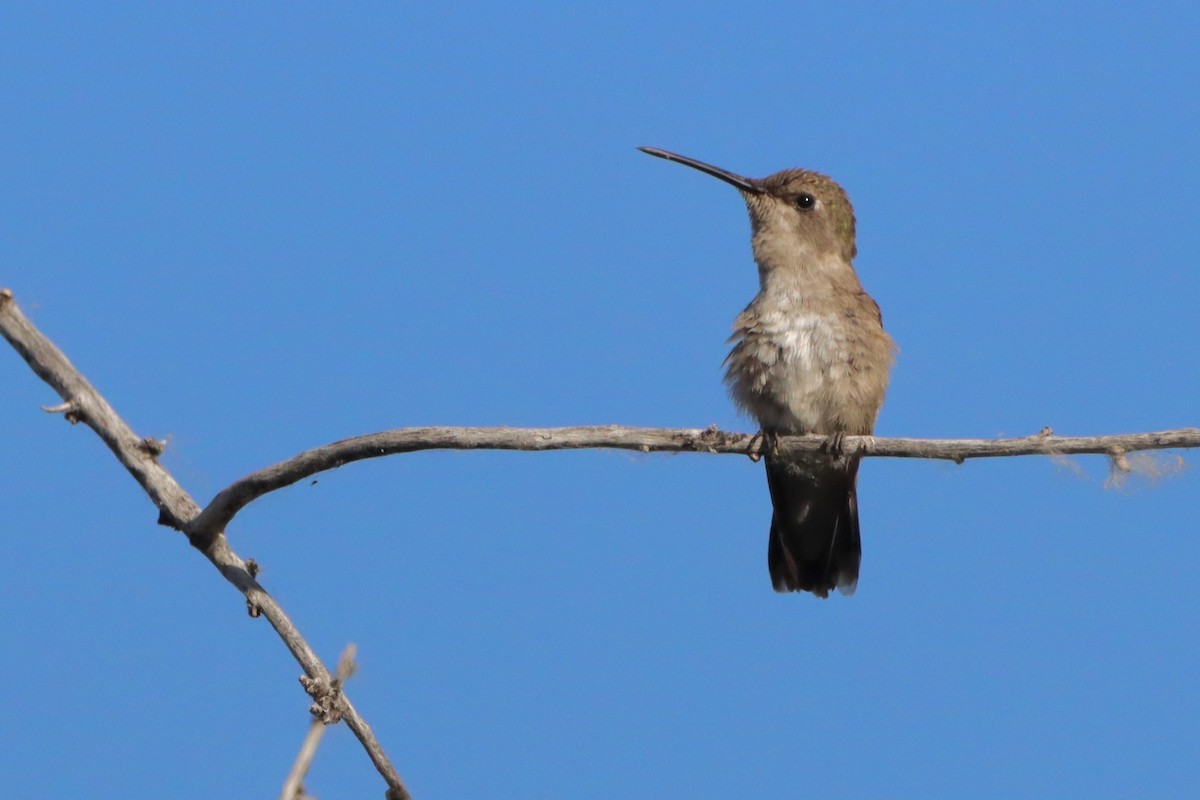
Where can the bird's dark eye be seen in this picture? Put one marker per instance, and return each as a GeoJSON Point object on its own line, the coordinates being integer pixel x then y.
{"type": "Point", "coordinates": [805, 201]}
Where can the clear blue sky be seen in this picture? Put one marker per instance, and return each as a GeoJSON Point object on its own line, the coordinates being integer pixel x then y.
{"type": "Point", "coordinates": [260, 228]}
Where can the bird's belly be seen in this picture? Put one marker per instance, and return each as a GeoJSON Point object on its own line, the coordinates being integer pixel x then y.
{"type": "Point", "coordinates": [811, 374]}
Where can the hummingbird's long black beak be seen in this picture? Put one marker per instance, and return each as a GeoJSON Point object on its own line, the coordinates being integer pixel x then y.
{"type": "Point", "coordinates": [745, 184]}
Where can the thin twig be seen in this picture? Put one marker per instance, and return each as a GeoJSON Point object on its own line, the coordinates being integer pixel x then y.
{"type": "Point", "coordinates": [293, 787]}
{"type": "Point", "coordinates": [327, 698]}
{"type": "Point", "coordinates": [176, 507]}
{"type": "Point", "coordinates": [229, 501]}
{"type": "Point", "coordinates": [82, 403]}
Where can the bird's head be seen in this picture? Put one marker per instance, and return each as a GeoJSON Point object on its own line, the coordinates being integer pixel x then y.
{"type": "Point", "coordinates": [796, 216]}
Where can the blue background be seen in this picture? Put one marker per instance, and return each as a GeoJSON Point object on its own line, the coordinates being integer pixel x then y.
{"type": "Point", "coordinates": [258, 228]}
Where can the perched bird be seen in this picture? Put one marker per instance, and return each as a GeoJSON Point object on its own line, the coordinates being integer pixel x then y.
{"type": "Point", "coordinates": [810, 356]}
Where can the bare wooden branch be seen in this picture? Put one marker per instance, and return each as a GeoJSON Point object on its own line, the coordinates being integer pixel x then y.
{"type": "Point", "coordinates": [242, 492]}
{"type": "Point", "coordinates": [82, 403]}
{"type": "Point", "coordinates": [176, 507]}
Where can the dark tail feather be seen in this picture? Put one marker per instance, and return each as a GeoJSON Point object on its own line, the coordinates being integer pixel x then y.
{"type": "Point", "coordinates": [815, 545]}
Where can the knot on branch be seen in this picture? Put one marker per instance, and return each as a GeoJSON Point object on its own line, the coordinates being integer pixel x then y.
{"type": "Point", "coordinates": [253, 605]}
{"type": "Point", "coordinates": [707, 441]}
{"type": "Point", "coordinates": [327, 698]}
{"type": "Point", "coordinates": [326, 691]}
{"type": "Point", "coordinates": [5, 296]}
{"type": "Point", "coordinates": [151, 446]}
{"type": "Point", "coordinates": [69, 409]}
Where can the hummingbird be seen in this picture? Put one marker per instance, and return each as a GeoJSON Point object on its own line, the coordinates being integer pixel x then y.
{"type": "Point", "coordinates": [809, 356]}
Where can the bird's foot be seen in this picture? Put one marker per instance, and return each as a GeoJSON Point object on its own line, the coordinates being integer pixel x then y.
{"type": "Point", "coordinates": [755, 448]}
{"type": "Point", "coordinates": [763, 443]}
{"type": "Point", "coordinates": [835, 444]}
